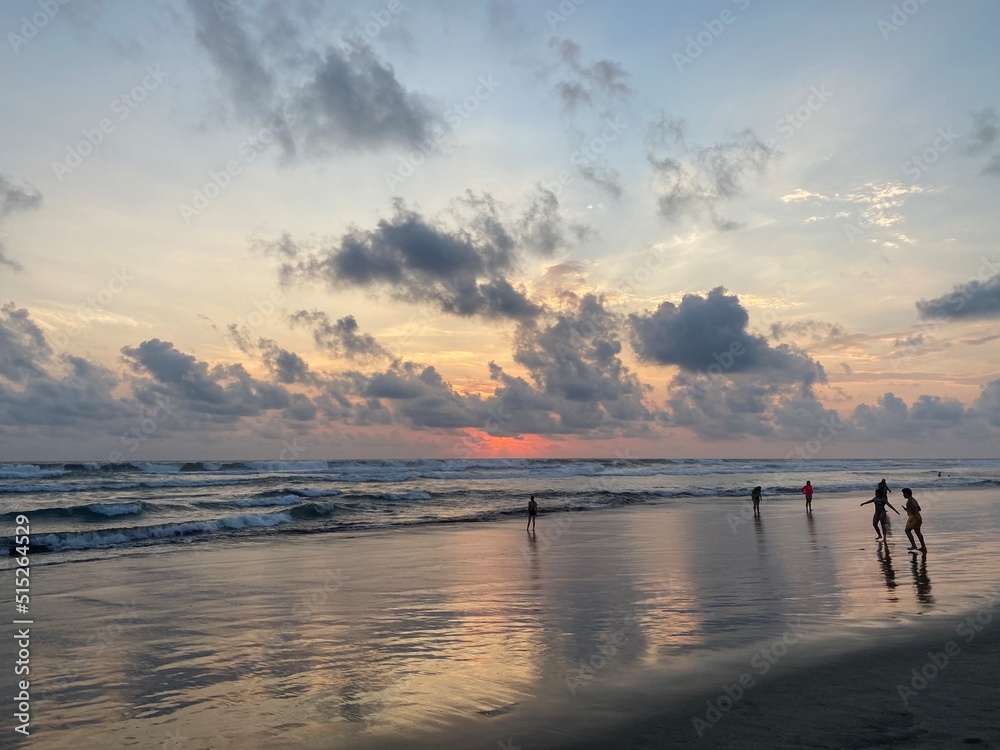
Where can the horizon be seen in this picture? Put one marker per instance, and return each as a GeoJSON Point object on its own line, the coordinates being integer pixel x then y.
{"type": "Point", "coordinates": [392, 231]}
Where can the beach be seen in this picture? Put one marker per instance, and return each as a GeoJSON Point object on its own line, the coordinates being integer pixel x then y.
{"type": "Point", "coordinates": [675, 625]}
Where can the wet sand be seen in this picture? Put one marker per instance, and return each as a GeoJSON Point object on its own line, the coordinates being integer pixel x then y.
{"type": "Point", "coordinates": [616, 628]}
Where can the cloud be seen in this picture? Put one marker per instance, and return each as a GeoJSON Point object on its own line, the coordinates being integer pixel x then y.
{"type": "Point", "coordinates": [236, 57]}
{"type": "Point", "coordinates": [815, 330]}
{"type": "Point", "coordinates": [540, 228]}
{"type": "Point", "coordinates": [600, 81]}
{"type": "Point", "coordinates": [984, 133]}
{"type": "Point", "coordinates": [709, 333]}
{"type": "Point", "coordinates": [336, 97]}
{"type": "Point", "coordinates": [464, 271]}
{"type": "Point", "coordinates": [219, 393]}
{"type": "Point", "coordinates": [697, 180]}
{"type": "Point", "coordinates": [973, 299]}
{"type": "Point", "coordinates": [355, 102]}
{"type": "Point", "coordinates": [573, 359]}
{"type": "Point", "coordinates": [23, 349]}
{"type": "Point", "coordinates": [15, 198]}
{"type": "Point", "coordinates": [891, 418]}
{"type": "Point", "coordinates": [341, 338]}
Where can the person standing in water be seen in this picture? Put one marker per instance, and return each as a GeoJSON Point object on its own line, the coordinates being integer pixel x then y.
{"type": "Point", "coordinates": [532, 513]}
{"type": "Point", "coordinates": [807, 490]}
{"type": "Point", "coordinates": [913, 520]}
{"type": "Point", "coordinates": [755, 497]}
{"type": "Point", "coordinates": [879, 518]}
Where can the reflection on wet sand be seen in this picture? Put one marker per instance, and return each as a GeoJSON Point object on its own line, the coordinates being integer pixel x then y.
{"type": "Point", "coordinates": [921, 580]}
{"type": "Point", "coordinates": [388, 633]}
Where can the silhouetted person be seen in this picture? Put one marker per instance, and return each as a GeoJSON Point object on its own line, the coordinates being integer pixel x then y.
{"type": "Point", "coordinates": [807, 490]}
{"type": "Point", "coordinates": [755, 496]}
{"type": "Point", "coordinates": [913, 519]}
{"type": "Point", "coordinates": [882, 489]}
{"type": "Point", "coordinates": [532, 513]}
{"type": "Point", "coordinates": [879, 518]}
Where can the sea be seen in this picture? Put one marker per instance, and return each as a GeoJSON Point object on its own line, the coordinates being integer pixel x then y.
{"type": "Point", "coordinates": [86, 511]}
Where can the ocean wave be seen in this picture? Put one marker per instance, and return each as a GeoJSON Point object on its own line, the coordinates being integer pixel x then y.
{"type": "Point", "coordinates": [89, 512]}
{"type": "Point", "coordinates": [105, 538]}
{"type": "Point", "coordinates": [402, 496]}
{"type": "Point", "coordinates": [31, 471]}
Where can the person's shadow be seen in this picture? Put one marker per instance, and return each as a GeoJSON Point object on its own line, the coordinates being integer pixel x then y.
{"type": "Point", "coordinates": [920, 578]}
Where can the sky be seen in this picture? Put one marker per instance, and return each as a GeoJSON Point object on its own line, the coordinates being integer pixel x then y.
{"type": "Point", "coordinates": [372, 230]}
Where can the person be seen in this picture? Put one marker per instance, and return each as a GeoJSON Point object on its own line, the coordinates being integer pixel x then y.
{"type": "Point", "coordinates": [913, 519]}
{"type": "Point", "coordinates": [807, 490]}
{"type": "Point", "coordinates": [755, 496]}
{"type": "Point", "coordinates": [882, 488]}
{"type": "Point", "coordinates": [532, 513]}
{"type": "Point", "coordinates": [879, 518]}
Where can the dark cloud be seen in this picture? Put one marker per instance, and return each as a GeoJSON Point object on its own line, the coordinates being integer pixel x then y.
{"type": "Point", "coordinates": [992, 167]}
{"type": "Point", "coordinates": [891, 418]}
{"type": "Point", "coordinates": [79, 400]}
{"type": "Point", "coordinates": [813, 329]}
{"type": "Point", "coordinates": [696, 180]}
{"type": "Point", "coordinates": [15, 198]}
{"type": "Point", "coordinates": [421, 397]}
{"type": "Point", "coordinates": [599, 81]}
{"type": "Point", "coordinates": [355, 102]}
{"type": "Point", "coordinates": [284, 366]}
{"type": "Point", "coordinates": [987, 405]}
{"type": "Point", "coordinates": [236, 56]}
{"type": "Point", "coordinates": [985, 130]}
{"type": "Point", "coordinates": [341, 338]}
{"type": "Point", "coordinates": [540, 228]}
{"type": "Point", "coordinates": [708, 334]}
{"type": "Point", "coordinates": [314, 99]}
{"type": "Point", "coordinates": [221, 393]}
{"type": "Point", "coordinates": [411, 258]}
{"type": "Point", "coordinates": [24, 352]}
{"type": "Point", "coordinates": [573, 359]}
{"type": "Point", "coordinates": [974, 299]}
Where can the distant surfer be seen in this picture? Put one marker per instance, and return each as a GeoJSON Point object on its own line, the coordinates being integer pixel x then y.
{"type": "Point", "coordinates": [755, 496]}
{"type": "Point", "coordinates": [913, 519]}
{"type": "Point", "coordinates": [807, 490]}
{"type": "Point", "coordinates": [532, 513]}
{"type": "Point", "coordinates": [879, 518]}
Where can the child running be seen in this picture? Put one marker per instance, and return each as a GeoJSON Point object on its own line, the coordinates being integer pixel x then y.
{"type": "Point", "coordinates": [879, 518]}
{"type": "Point", "coordinates": [913, 520]}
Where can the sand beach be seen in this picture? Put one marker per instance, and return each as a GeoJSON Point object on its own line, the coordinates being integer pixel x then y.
{"type": "Point", "coordinates": [680, 625]}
